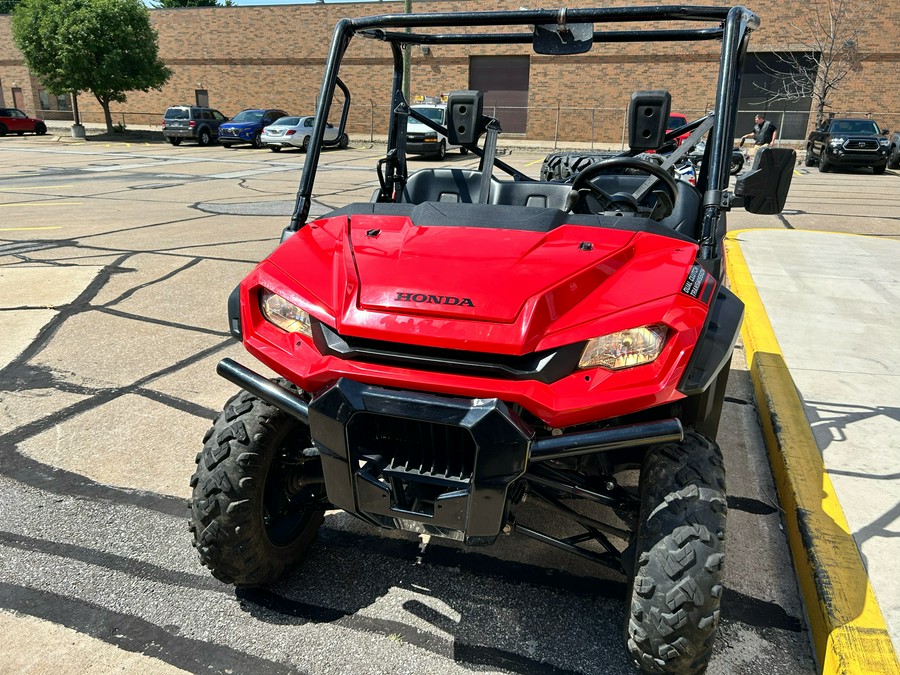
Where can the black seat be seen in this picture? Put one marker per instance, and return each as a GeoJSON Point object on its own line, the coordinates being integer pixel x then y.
{"type": "Point", "coordinates": [462, 186]}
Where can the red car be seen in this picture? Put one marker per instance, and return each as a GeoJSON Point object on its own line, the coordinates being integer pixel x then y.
{"type": "Point", "coordinates": [677, 120]}
{"type": "Point", "coordinates": [13, 120]}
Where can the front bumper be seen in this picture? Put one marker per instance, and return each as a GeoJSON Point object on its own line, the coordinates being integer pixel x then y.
{"type": "Point", "coordinates": [423, 147]}
{"type": "Point", "coordinates": [842, 157]}
{"type": "Point", "coordinates": [243, 136]}
{"type": "Point", "coordinates": [431, 464]}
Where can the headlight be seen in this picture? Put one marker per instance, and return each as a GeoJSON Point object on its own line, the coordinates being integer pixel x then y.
{"type": "Point", "coordinates": [883, 141]}
{"type": "Point", "coordinates": [625, 349]}
{"type": "Point", "coordinates": [288, 317]}
{"type": "Point", "coordinates": [430, 138]}
{"type": "Point", "coordinates": [837, 141]}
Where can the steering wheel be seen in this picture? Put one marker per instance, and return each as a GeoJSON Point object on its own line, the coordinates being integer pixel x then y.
{"type": "Point", "coordinates": [582, 180]}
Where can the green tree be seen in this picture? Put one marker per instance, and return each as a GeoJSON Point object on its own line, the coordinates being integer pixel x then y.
{"type": "Point", "coordinates": [105, 47]}
{"type": "Point", "coordinates": [7, 6]}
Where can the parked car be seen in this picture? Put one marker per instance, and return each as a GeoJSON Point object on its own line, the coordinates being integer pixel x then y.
{"type": "Point", "coordinates": [423, 140]}
{"type": "Point", "coordinates": [295, 132]}
{"type": "Point", "coordinates": [847, 142]}
{"type": "Point", "coordinates": [247, 126]}
{"type": "Point", "coordinates": [13, 120]}
{"type": "Point", "coordinates": [894, 151]}
{"type": "Point", "coordinates": [675, 121]}
{"type": "Point", "coordinates": [192, 123]}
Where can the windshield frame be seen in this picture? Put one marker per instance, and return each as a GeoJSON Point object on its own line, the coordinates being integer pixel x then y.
{"type": "Point", "coordinates": [733, 26]}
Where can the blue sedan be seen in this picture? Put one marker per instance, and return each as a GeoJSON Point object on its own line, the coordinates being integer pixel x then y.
{"type": "Point", "coordinates": [247, 126]}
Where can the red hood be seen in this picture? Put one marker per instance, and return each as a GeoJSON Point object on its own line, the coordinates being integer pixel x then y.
{"type": "Point", "coordinates": [383, 274]}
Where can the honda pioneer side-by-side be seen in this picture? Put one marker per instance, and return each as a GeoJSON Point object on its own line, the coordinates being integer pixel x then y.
{"type": "Point", "coordinates": [470, 338]}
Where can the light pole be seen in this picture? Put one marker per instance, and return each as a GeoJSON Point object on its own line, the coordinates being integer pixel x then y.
{"type": "Point", "coordinates": [407, 53]}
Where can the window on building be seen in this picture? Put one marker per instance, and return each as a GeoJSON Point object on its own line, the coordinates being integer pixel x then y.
{"type": "Point", "coordinates": [766, 74]}
{"type": "Point", "coordinates": [202, 97]}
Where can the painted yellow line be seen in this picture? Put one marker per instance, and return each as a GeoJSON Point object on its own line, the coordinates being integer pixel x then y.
{"type": "Point", "coordinates": [848, 629]}
{"type": "Point", "coordinates": [537, 161]}
{"type": "Point", "coordinates": [797, 172]}
{"type": "Point", "coordinates": [42, 203]}
{"type": "Point", "coordinates": [19, 229]}
{"type": "Point", "coordinates": [37, 187]}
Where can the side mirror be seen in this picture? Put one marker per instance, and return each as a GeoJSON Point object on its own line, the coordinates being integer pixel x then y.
{"type": "Point", "coordinates": [648, 115]}
{"type": "Point", "coordinates": [556, 40]}
{"type": "Point", "coordinates": [885, 131]}
{"type": "Point", "coordinates": [765, 188]}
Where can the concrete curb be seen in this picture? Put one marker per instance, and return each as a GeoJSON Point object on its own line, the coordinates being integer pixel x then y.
{"type": "Point", "coordinates": [847, 627]}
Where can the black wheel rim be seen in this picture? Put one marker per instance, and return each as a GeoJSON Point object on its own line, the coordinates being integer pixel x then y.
{"type": "Point", "coordinates": [287, 510]}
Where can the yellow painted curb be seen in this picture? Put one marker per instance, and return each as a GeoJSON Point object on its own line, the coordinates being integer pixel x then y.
{"type": "Point", "coordinates": [848, 630]}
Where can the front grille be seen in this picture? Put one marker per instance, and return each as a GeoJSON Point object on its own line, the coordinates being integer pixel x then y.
{"type": "Point", "coordinates": [415, 447]}
{"type": "Point", "coordinates": [544, 366]}
{"type": "Point", "coordinates": [860, 145]}
{"type": "Point", "coordinates": [416, 462]}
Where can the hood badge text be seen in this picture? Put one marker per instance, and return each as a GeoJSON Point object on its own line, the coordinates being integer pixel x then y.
{"type": "Point", "coordinates": [428, 299]}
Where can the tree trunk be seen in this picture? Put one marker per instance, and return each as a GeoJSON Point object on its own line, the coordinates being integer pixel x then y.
{"type": "Point", "coordinates": [107, 116]}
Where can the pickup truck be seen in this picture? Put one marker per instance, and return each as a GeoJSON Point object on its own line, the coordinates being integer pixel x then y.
{"type": "Point", "coordinates": [846, 142]}
{"type": "Point", "coordinates": [894, 151]}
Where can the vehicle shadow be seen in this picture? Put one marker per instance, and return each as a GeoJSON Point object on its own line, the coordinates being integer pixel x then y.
{"type": "Point", "coordinates": [476, 607]}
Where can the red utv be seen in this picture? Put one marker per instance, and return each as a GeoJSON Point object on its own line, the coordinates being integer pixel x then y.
{"type": "Point", "coordinates": [464, 341]}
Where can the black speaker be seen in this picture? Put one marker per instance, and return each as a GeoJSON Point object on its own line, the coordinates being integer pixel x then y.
{"type": "Point", "coordinates": [465, 110]}
{"type": "Point", "coordinates": [648, 114]}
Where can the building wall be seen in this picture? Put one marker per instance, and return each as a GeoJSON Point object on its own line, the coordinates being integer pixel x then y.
{"type": "Point", "coordinates": [275, 56]}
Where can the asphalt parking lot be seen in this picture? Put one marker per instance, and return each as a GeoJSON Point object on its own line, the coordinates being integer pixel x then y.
{"type": "Point", "coordinates": [115, 264]}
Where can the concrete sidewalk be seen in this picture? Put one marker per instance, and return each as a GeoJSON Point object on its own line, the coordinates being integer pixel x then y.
{"type": "Point", "coordinates": [821, 337]}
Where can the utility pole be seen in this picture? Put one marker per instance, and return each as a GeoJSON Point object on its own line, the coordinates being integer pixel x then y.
{"type": "Point", "coordinates": [407, 53]}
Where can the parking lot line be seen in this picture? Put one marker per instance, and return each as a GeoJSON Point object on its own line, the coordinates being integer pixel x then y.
{"type": "Point", "coordinates": [37, 187]}
{"type": "Point", "coordinates": [42, 203]}
{"type": "Point", "coordinates": [20, 229]}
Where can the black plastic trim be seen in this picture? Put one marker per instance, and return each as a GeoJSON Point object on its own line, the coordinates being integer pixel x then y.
{"type": "Point", "coordinates": [234, 314]}
{"type": "Point", "coordinates": [544, 366]}
{"type": "Point", "coordinates": [716, 344]}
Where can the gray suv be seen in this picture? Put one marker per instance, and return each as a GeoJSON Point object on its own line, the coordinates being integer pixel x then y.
{"type": "Point", "coordinates": [193, 123]}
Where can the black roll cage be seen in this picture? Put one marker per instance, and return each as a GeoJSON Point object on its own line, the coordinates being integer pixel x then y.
{"type": "Point", "coordinates": [734, 25]}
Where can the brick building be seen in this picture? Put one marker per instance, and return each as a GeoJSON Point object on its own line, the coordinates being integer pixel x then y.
{"type": "Point", "coordinates": [237, 57]}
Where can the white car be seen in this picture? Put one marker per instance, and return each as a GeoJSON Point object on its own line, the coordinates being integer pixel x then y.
{"type": "Point", "coordinates": [423, 140]}
{"type": "Point", "coordinates": [295, 132]}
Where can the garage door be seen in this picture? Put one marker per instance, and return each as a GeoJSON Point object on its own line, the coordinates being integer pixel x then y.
{"type": "Point", "coordinates": [504, 82]}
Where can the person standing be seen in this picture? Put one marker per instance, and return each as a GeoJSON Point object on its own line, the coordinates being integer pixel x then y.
{"type": "Point", "coordinates": [764, 133]}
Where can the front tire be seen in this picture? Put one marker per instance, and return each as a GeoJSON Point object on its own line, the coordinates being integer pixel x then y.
{"type": "Point", "coordinates": [824, 164]}
{"type": "Point", "coordinates": [737, 163]}
{"type": "Point", "coordinates": [257, 141]}
{"type": "Point", "coordinates": [345, 142]}
{"type": "Point", "coordinates": [442, 151]}
{"type": "Point", "coordinates": [680, 550]}
{"type": "Point", "coordinates": [894, 160]}
{"type": "Point", "coordinates": [809, 160]}
{"type": "Point", "coordinates": [879, 169]}
{"type": "Point", "coordinates": [258, 497]}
